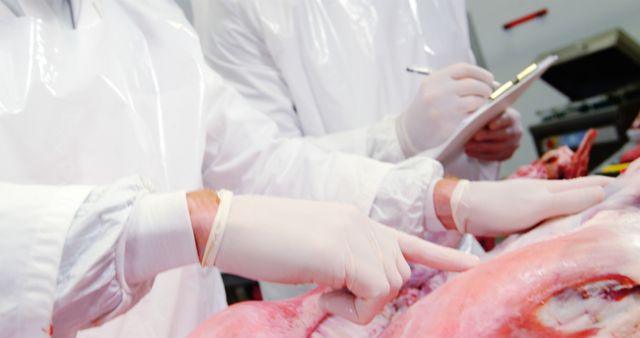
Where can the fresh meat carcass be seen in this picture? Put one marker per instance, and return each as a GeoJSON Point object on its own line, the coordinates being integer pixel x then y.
{"type": "Point", "coordinates": [297, 317]}
{"type": "Point", "coordinates": [576, 276]}
{"type": "Point", "coordinates": [560, 163]}
{"type": "Point", "coordinates": [302, 316]}
{"type": "Point", "coordinates": [584, 284]}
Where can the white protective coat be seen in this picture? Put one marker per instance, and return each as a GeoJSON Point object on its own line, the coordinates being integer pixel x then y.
{"type": "Point", "coordinates": [80, 255]}
{"type": "Point", "coordinates": [92, 91]}
{"type": "Point", "coordinates": [33, 225]}
{"type": "Point", "coordinates": [335, 70]}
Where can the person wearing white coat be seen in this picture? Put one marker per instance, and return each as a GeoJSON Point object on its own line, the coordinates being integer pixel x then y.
{"type": "Point", "coordinates": [83, 255]}
{"type": "Point", "coordinates": [92, 91]}
{"type": "Point", "coordinates": [334, 72]}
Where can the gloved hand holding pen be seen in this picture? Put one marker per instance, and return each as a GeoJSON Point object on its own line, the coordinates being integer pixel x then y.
{"type": "Point", "coordinates": [444, 99]}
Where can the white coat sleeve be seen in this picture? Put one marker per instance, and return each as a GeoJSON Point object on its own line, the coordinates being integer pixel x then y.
{"type": "Point", "coordinates": [91, 252]}
{"type": "Point", "coordinates": [473, 169]}
{"type": "Point", "coordinates": [33, 224]}
{"type": "Point", "coordinates": [234, 46]}
{"type": "Point", "coordinates": [121, 237]}
{"type": "Point", "coordinates": [245, 153]}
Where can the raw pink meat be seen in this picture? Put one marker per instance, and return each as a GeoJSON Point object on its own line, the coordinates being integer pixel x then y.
{"type": "Point", "coordinates": [579, 285]}
{"type": "Point", "coordinates": [576, 276]}
{"type": "Point", "coordinates": [296, 317]}
{"type": "Point", "coordinates": [560, 163]}
{"type": "Point", "coordinates": [301, 316]}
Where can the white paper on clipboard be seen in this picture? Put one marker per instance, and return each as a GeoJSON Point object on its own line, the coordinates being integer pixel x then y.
{"type": "Point", "coordinates": [454, 145]}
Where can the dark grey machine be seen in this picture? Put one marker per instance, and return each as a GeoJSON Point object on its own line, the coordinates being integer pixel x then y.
{"type": "Point", "coordinates": [601, 76]}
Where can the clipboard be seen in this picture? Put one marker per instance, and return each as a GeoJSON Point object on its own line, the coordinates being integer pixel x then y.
{"type": "Point", "coordinates": [498, 102]}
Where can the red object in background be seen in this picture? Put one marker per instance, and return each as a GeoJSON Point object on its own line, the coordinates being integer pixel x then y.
{"type": "Point", "coordinates": [519, 21]}
{"type": "Point", "coordinates": [580, 161]}
{"type": "Point", "coordinates": [551, 143]}
{"type": "Point", "coordinates": [630, 155]}
{"type": "Point", "coordinates": [487, 243]}
{"type": "Point", "coordinates": [561, 163]}
{"type": "Point", "coordinates": [256, 294]}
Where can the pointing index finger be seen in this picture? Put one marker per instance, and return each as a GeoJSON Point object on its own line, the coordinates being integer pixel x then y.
{"type": "Point", "coordinates": [422, 252]}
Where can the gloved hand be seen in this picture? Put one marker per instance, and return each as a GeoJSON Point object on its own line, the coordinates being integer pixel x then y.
{"type": "Point", "coordinates": [292, 241]}
{"type": "Point", "coordinates": [443, 100]}
{"type": "Point", "coordinates": [498, 140]}
{"type": "Point", "coordinates": [505, 207]}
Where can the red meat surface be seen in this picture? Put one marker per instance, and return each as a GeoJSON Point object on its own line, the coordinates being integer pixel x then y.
{"type": "Point", "coordinates": [560, 163]}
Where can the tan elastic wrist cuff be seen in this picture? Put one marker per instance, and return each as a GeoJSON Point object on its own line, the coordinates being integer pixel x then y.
{"type": "Point", "coordinates": [442, 202]}
{"type": "Point", "coordinates": [218, 228]}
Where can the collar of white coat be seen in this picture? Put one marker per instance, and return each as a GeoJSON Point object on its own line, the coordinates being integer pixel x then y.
{"type": "Point", "coordinates": [77, 13]}
{"type": "Point", "coordinates": [85, 12]}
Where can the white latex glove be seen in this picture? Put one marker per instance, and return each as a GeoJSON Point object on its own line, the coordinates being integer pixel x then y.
{"type": "Point", "coordinates": [292, 241]}
{"type": "Point", "coordinates": [498, 140]}
{"type": "Point", "coordinates": [443, 100]}
{"type": "Point", "coordinates": [505, 207]}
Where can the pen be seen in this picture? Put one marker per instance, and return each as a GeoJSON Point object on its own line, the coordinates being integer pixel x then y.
{"type": "Point", "coordinates": [427, 71]}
